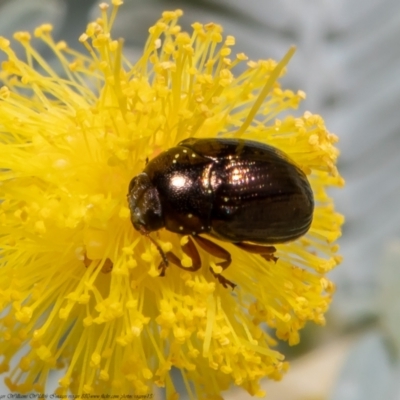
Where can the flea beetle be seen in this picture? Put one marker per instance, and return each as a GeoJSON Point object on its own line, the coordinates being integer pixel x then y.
{"type": "Point", "coordinates": [238, 191]}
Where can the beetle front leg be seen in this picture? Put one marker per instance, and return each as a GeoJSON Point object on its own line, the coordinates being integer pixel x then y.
{"type": "Point", "coordinates": [166, 259]}
{"type": "Point", "coordinates": [266, 252]}
{"type": "Point", "coordinates": [217, 251]}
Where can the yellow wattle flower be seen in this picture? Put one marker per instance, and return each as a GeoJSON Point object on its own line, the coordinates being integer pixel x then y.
{"type": "Point", "coordinates": [79, 287]}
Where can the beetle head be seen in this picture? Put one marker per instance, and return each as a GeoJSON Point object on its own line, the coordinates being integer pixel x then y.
{"type": "Point", "coordinates": [144, 203]}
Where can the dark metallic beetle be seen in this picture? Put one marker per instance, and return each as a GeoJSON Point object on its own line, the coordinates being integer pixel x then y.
{"type": "Point", "coordinates": [235, 190]}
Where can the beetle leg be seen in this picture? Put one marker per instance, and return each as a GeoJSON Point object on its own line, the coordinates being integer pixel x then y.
{"type": "Point", "coordinates": [170, 257]}
{"type": "Point", "coordinates": [191, 251]}
{"type": "Point", "coordinates": [105, 269]}
{"type": "Point", "coordinates": [266, 252]}
{"type": "Point", "coordinates": [217, 251]}
{"type": "Point", "coordinates": [158, 247]}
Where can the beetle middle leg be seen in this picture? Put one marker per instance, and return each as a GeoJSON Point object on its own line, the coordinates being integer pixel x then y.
{"type": "Point", "coordinates": [266, 252]}
{"type": "Point", "coordinates": [190, 250]}
{"type": "Point", "coordinates": [217, 251]}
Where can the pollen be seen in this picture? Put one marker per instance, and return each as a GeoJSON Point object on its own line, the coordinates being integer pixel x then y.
{"type": "Point", "coordinates": [80, 288]}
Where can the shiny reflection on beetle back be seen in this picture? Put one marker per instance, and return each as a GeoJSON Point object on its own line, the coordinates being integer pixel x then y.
{"type": "Point", "coordinates": [179, 181]}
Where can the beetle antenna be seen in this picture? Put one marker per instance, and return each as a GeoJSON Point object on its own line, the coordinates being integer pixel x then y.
{"type": "Point", "coordinates": [158, 247]}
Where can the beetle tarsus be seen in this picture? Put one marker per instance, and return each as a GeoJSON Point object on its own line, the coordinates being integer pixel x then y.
{"type": "Point", "coordinates": [107, 264]}
{"type": "Point", "coordinates": [269, 257]}
{"type": "Point", "coordinates": [222, 280]}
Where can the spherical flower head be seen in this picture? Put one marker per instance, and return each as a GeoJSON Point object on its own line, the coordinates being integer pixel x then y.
{"type": "Point", "coordinates": [79, 287]}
